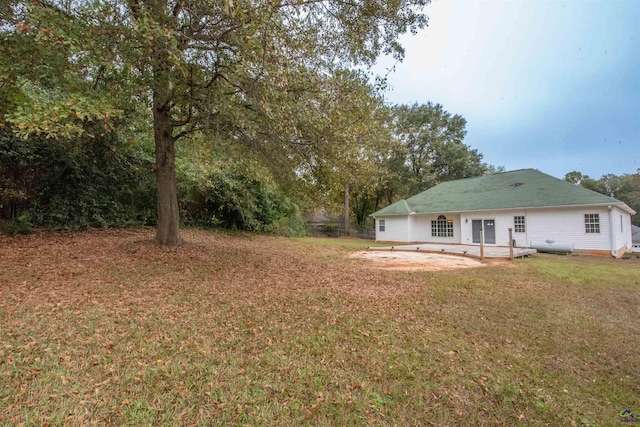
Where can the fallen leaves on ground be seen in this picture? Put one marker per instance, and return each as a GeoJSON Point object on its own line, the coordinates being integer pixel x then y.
{"type": "Point", "coordinates": [104, 327]}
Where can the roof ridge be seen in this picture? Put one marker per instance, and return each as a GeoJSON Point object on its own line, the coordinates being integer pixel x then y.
{"type": "Point", "coordinates": [491, 174]}
{"type": "Point", "coordinates": [521, 188]}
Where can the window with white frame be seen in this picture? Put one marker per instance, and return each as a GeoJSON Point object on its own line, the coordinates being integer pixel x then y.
{"type": "Point", "coordinates": [519, 224]}
{"type": "Point", "coordinates": [592, 223]}
{"type": "Point", "coordinates": [442, 227]}
{"type": "Point", "coordinates": [381, 225]}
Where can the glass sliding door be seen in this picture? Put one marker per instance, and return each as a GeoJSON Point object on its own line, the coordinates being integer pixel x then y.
{"type": "Point", "coordinates": [489, 227]}
{"type": "Point", "coordinates": [476, 227]}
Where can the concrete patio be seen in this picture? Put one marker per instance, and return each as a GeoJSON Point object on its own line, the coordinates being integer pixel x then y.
{"type": "Point", "coordinates": [464, 250]}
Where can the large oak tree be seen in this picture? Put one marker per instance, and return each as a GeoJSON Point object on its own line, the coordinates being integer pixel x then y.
{"type": "Point", "coordinates": [260, 72]}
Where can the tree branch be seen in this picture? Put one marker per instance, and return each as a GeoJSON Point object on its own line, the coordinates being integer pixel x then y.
{"type": "Point", "coordinates": [184, 122]}
{"type": "Point", "coordinates": [187, 132]}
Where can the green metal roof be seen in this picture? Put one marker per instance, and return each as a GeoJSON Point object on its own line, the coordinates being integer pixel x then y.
{"type": "Point", "coordinates": [525, 188]}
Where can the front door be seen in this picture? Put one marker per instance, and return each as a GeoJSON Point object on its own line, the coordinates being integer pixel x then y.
{"type": "Point", "coordinates": [489, 230]}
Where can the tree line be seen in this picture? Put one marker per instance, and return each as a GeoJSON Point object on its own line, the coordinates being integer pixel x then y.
{"type": "Point", "coordinates": [107, 179]}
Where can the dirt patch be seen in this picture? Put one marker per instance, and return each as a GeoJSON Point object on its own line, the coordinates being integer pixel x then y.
{"type": "Point", "coordinates": [416, 261]}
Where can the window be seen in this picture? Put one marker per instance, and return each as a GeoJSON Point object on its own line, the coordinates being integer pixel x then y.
{"type": "Point", "coordinates": [381, 225]}
{"type": "Point", "coordinates": [621, 227]}
{"type": "Point", "coordinates": [518, 224]}
{"type": "Point", "coordinates": [442, 227]}
{"type": "Point", "coordinates": [592, 223]}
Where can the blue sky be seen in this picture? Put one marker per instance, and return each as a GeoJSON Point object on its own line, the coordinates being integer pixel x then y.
{"type": "Point", "coordinates": [551, 85]}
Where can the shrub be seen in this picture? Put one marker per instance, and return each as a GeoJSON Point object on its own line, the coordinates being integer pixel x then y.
{"type": "Point", "coordinates": [231, 198]}
{"type": "Point", "coordinates": [69, 185]}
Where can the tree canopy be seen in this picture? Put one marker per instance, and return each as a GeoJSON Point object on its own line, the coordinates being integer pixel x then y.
{"type": "Point", "coordinates": [425, 147]}
{"type": "Point", "coordinates": [433, 140]}
{"type": "Point", "coordinates": [269, 75]}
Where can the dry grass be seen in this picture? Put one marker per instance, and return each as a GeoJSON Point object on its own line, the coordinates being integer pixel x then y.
{"type": "Point", "coordinates": [106, 328]}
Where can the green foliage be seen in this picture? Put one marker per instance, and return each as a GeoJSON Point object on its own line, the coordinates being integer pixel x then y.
{"type": "Point", "coordinates": [268, 75]}
{"type": "Point", "coordinates": [433, 141]}
{"type": "Point", "coordinates": [426, 148]}
{"type": "Point", "coordinates": [20, 225]}
{"type": "Point", "coordinates": [52, 83]}
{"type": "Point", "coordinates": [100, 182]}
{"type": "Point", "coordinates": [54, 113]}
{"type": "Point", "coordinates": [74, 184]}
{"type": "Point", "coordinates": [231, 193]}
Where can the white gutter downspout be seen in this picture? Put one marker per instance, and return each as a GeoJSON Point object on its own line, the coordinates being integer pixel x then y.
{"type": "Point", "coordinates": [612, 234]}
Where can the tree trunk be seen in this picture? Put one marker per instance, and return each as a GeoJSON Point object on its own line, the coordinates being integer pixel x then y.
{"type": "Point", "coordinates": [168, 231]}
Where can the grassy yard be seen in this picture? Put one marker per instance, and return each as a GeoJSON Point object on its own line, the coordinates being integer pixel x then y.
{"type": "Point", "coordinates": [106, 328]}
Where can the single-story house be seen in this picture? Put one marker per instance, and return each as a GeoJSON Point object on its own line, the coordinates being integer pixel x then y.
{"type": "Point", "coordinates": [536, 206]}
{"type": "Point", "coordinates": [635, 238]}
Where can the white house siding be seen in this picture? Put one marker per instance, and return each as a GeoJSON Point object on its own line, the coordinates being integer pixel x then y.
{"type": "Point", "coordinates": [568, 225]}
{"type": "Point", "coordinates": [622, 229]}
{"type": "Point", "coordinates": [421, 229]}
{"type": "Point", "coordinates": [559, 224]}
{"type": "Point", "coordinates": [396, 229]}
